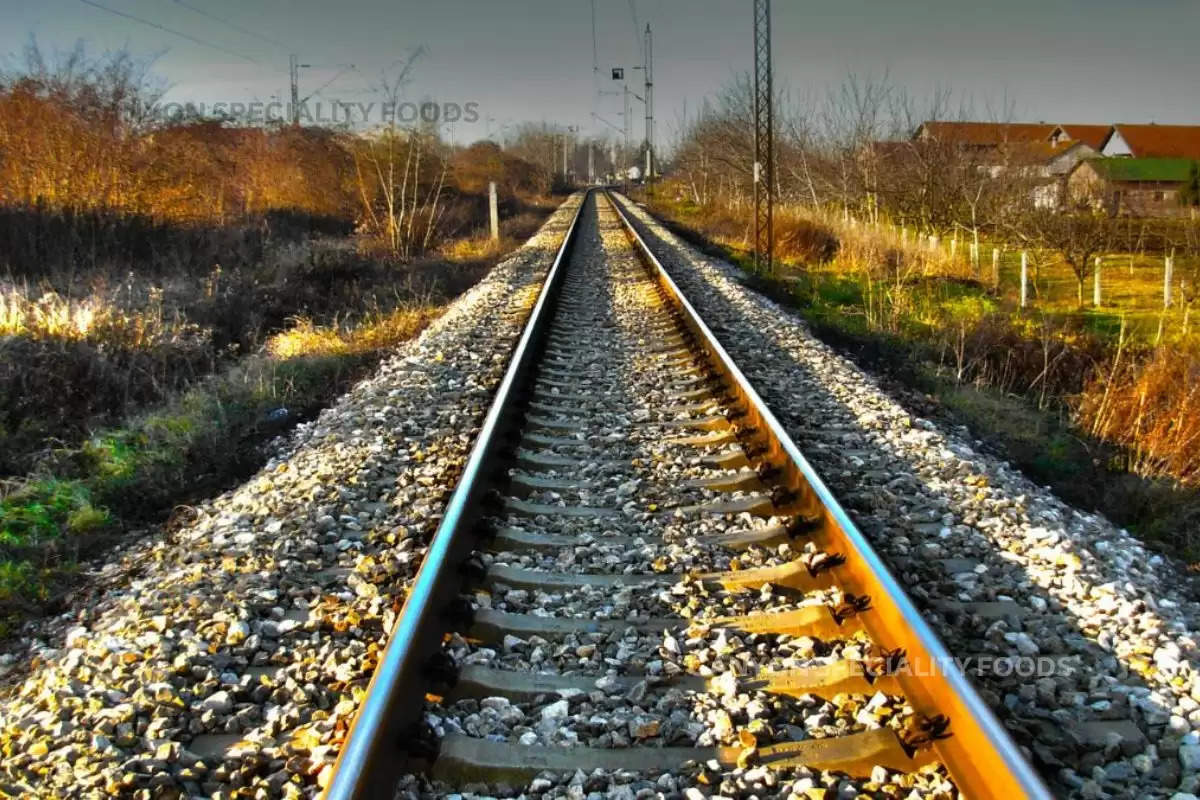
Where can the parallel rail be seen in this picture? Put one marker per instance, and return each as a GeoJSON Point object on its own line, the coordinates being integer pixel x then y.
{"type": "Point", "coordinates": [980, 755]}
{"type": "Point", "coordinates": [963, 734]}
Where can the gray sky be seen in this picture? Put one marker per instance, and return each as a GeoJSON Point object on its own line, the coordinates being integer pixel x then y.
{"type": "Point", "coordinates": [1060, 60]}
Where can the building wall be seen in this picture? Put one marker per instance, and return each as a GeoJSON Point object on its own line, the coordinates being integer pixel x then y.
{"type": "Point", "coordinates": [1146, 199]}
{"type": "Point", "coordinates": [1064, 162]}
{"type": "Point", "coordinates": [1048, 195]}
{"type": "Point", "coordinates": [1116, 146]}
{"type": "Point", "coordinates": [1124, 198]}
{"type": "Point", "coordinates": [1085, 183]}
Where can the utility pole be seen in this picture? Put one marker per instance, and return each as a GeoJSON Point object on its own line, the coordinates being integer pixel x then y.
{"type": "Point", "coordinates": [294, 68]}
{"type": "Point", "coordinates": [764, 162]}
{"type": "Point", "coordinates": [595, 62]}
{"type": "Point", "coordinates": [764, 139]}
{"type": "Point", "coordinates": [294, 73]}
{"type": "Point", "coordinates": [648, 70]}
{"type": "Point", "coordinates": [628, 125]}
{"type": "Point", "coordinates": [591, 161]}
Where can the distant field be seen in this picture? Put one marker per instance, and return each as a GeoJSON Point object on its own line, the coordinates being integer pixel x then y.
{"type": "Point", "coordinates": [1131, 286]}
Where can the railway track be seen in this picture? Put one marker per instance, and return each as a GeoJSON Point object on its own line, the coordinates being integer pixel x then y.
{"type": "Point", "coordinates": [639, 576]}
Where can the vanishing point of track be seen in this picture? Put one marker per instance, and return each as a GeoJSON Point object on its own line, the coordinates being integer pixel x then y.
{"type": "Point", "coordinates": [635, 535]}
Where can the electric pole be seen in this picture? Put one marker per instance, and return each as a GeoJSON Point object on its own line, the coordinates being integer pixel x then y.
{"type": "Point", "coordinates": [648, 69]}
{"type": "Point", "coordinates": [294, 73]}
{"type": "Point", "coordinates": [294, 68]}
{"type": "Point", "coordinates": [628, 125]}
{"type": "Point", "coordinates": [764, 139]}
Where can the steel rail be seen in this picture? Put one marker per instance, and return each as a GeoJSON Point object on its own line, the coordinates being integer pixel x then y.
{"type": "Point", "coordinates": [375, 752]}
{"type": "Point", "coordinates": [983, 760]}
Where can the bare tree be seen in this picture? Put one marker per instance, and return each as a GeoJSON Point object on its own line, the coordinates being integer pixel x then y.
{"type": "Point", "coordinates": [400, 170]}
{"type": "Point", "coordinates": [1077, 235]}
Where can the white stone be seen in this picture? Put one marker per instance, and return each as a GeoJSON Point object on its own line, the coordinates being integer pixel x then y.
{"type": "Point", "coordinates": [559, 709]}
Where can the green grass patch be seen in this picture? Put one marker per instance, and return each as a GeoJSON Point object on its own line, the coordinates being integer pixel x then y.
{"type": "Point", "coordinates": [42, 511]}
{"type": "Point", "coordinates": [203, 440]}
{"type": "Point", "coordinates": [1037, 439]}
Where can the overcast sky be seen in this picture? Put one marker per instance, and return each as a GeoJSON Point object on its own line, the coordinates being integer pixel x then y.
{"type": "Point", "coordinates": [1055, 60]}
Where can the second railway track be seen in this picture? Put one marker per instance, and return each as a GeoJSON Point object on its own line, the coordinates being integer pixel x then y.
{"type": "Point", "coordinates": [641, 578]}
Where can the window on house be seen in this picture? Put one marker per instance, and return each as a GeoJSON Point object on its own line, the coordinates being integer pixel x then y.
{"type": "Point", "coordinates": [1160, 196]}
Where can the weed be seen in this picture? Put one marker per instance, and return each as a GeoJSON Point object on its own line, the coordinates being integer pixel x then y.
{"type": "Point", "coordinates": [37, 511]}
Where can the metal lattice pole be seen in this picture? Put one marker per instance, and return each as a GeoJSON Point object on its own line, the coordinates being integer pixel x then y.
{"type": "Point", "coordinates": [764, 139]}
{"type": "Point", "coordinates": [648, 68]}
{"type": "Point", "coordinates": [628, 127]}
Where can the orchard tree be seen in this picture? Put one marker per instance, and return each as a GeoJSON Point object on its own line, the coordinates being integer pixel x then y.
{"type": "Point", "coordinates": [1077, 234]}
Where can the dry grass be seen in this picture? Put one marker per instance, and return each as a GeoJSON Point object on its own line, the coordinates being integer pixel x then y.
{"type": "Point", "coordinates": [475, 248]}
{"type": "Point", "coordinates": [93, 318]}
{"type": "Point", "coordinates": [1151, 409]}
{"type": "Point", "coordinates": [380, 331]}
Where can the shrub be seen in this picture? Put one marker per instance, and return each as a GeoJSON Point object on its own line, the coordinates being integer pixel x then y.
{"type": "Point", "coordinates": [1151, 407]}
{"type": "Point", "coordinates": [803, 240]}
{"type": "Point", "coordinates": [36, 512]}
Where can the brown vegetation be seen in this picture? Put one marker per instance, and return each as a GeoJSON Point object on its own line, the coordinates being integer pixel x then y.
{"type": "Point", "coordinates": [174, 293]}
{"type": "Point", "coordinates": [1151, 407]}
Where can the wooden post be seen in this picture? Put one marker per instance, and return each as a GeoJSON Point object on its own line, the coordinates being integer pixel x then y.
{"type": "Point", "coordinates": [1168, 268]}
{"type": "Point", "coordinates": [933, 241]}
{"type": "Point", "coordinates": [903, 236]}
{"type": "Point", "coordinates": [953, 247]}
{"type": "Point", "coordinates": [493, 211]}
{"type": "Point", "coordinates": [996, 266]}
{"type": "Point", "coordinates": [1024, 278]}
{"type": "Point", "coordinates": [1096, 284]}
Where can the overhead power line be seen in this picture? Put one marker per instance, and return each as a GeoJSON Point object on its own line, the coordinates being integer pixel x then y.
{"type": "Point", "coordinates": [232, 25]}
{"type": "Point", "coordinates": [171, 31]}
{"type": "Point", "coordinates": [326, 84]}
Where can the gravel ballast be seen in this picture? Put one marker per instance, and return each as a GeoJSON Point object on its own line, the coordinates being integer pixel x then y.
{"type": "Point", "coordinates": [1112, 707]}
{"type": "Point", "coordinates": [611, 391]}
{"type": "Point", "coordinates": [225, 657]}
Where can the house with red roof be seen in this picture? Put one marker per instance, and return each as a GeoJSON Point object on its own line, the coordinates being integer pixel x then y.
{"type": "Point", "coordinates": [1152, 141]}
{"type": "Point", "coordinates": [1127, 169]}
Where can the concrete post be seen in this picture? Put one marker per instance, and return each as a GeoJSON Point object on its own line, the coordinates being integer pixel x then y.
{"type": "Point", "coordinates": [1024, 278]}
{"type": "Point", "coordinates": [493, 211]}
{"type": "Point", "coordinates": [995, 266]}
{"type": "Point", "coordinates": [1169, 267]}
{"type": "Point", "coordinates": [1096, 284]}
